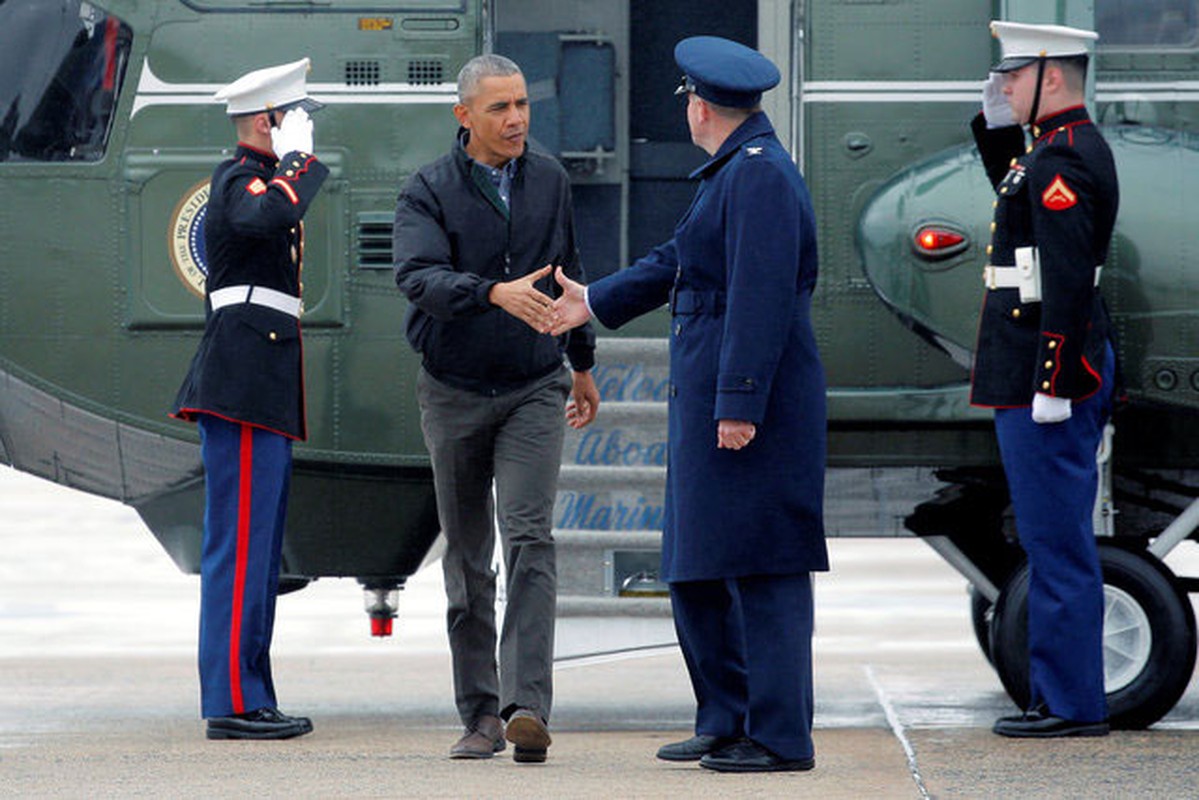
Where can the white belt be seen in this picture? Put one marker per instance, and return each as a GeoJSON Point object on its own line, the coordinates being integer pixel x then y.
{"type": "Point", "coordinates": [1001, 277]}
{"type": "Point", "coordinates": [1009, 277]}
{"type": "Point", "coordinates": [258, 295]}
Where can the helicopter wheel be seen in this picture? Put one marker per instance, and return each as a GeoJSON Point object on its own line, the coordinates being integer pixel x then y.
{"type": "Point", "coordinates": [1148, 638]}
{"type": "Point", "coordinates": [981, 611]}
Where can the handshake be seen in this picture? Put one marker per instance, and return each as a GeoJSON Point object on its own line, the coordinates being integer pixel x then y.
{"type": "Point", "coordinates": [522, 299]}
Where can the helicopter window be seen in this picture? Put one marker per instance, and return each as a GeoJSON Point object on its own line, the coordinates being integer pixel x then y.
{"type": "Point", "coordinates": [1133, 24]}
{"type": "Point", "coordinates": [62, 63]}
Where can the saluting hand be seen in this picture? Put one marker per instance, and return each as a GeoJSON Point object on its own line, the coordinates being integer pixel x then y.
{"type": "Point", "coordinates": [526, 302]}
{"type": "Point", "coordinates": [570, 310]}
{"type": "Point", "coordinates": [294, 134]}
{"type": "Point", "coordinates": [733, 434]}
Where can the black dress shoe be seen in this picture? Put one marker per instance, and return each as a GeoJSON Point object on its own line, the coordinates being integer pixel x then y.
{"type": "Point", "coordinates": [1040, 724]}
{"type": "Point", "coordinates": [265, 723]}
{"type": "Point", "coordinates": [749, 756]}
{"type": "Point", "coordinates": [693, 749]}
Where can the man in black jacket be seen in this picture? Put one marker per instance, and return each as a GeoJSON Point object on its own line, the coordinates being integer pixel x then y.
{"type": "Point", "coordinates": [245, 389]}
{"type": "Point", "coordinates": [477, 233]}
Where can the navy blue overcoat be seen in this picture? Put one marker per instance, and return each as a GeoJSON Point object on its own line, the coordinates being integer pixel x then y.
{"type": "Point", "coordinates": [739, 275]}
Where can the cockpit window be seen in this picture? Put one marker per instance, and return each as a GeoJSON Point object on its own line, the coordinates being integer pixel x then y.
{"type": "Point", "coordinates": [1136, 24]}
{"type": "Point", "coordinates": [62, 63]}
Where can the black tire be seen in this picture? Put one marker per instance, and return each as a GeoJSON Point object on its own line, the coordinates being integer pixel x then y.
{"type": "Point", "coordinates": [291, 583]}
{"type": "Point", "coordinates": [980, 618]}
{"type": "Point", "coordinates": [1146, 615]}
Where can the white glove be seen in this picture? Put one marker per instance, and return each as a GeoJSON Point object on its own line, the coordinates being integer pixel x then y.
{"type": "Point", "coordinates": [294, 133]}
{"type": "Point", "coordinates": [996, 109]}
{"type": "Point", "coordinates": [1046, 408]}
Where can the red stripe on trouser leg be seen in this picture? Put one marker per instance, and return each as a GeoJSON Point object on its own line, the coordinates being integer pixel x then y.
{"type": "Point", "coordinates": [244, 489]}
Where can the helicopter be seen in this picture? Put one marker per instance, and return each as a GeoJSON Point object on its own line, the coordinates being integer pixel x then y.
{"type": "Point", "coordinates": [108, 135]}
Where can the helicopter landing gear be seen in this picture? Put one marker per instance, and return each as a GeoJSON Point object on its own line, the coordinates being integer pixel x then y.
{"type": "Point", "coordinates": [1148, 637]}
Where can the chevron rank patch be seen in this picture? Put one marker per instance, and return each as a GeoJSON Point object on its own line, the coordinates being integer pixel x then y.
{"type": "Point", "coordinates": [256, 187]}
{"type": "Point", "coordinates": [1058, 196]}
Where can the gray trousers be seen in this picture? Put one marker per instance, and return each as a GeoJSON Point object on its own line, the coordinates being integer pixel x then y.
{"type": "Point", "coordinates": [515, 441]}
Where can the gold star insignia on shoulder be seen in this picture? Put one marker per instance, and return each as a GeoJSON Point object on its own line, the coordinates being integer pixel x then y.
{"type": "Point", "coordinates": [753, 151]}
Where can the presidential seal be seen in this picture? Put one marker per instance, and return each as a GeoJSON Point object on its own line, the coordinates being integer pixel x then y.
{"type": "Point", "coordinates": [185, 238]}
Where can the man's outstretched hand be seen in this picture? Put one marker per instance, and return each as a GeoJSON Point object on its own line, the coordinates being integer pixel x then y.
{"type": "Point", "coordinates": [570, 310]}
{"type": "Point", "coordinates": [526, 302]}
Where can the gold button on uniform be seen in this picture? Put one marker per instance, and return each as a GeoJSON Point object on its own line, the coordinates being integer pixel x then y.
{"type": "Point", "coordinates": [1048, 365]}
{"type": "Point", "coordinates": [273, 336]}
{"type": "Point", "coordinates": [1053, 345]}
{"type": "Point", "coordinates": [990, 249]}
{"type": "Point", "coordinates": [992, 227]}
{"type": "Point", "coordinates": [1045, 385]}
{"type": "Point", "coordinates": [1016, 313]}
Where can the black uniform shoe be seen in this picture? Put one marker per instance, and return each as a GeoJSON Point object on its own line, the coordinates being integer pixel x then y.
{"type": "Point", "coordinates": [749, 756]}
{"type": "Point", "coordinates": [265, 723]}
{"type": "Point", "coordinates": [694, 748]}
{"type": "Point", "coordinates": [1040, 724]}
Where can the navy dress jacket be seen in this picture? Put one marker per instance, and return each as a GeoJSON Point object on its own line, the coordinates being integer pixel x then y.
{"type": "Point", "coordinates": [739, 274]}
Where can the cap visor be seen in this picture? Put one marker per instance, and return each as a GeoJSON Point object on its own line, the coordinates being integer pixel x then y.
{"type": "Point", "coordinates": [308, 104]}
{"type": "Point", "coordinates": [1013, 63]}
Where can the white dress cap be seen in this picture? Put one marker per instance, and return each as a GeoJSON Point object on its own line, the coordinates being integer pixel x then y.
{"type": "Point", "coordinates": [272, 88]}
{"type": "Point", "coordinates": [1023, 44]}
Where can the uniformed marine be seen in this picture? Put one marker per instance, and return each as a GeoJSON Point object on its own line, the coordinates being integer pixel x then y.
{"type": "Point", "coordinates": [1044, 359]}
{"type": "Point", "coordinates": [744, 517]}
{"type": "Point", "coordinates": [245, 390]}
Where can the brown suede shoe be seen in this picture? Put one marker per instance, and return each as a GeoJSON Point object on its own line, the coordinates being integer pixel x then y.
{"type": "Point", "coordinates": [483, 739]}
{"type": "Point", "coordinates": [528, 733]}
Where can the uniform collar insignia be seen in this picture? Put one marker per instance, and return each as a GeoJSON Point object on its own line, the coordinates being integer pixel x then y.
{"type": "Point", "coordinates": [753, 151]}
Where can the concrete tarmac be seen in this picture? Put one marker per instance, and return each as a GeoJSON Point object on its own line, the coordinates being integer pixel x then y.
{"type": "Point", "coordinates": [98, 694]}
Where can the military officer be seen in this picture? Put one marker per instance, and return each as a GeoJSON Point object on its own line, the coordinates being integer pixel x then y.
{"type": "Point", "coordinates": [1043, 358]}
{"type": "Point", "coordinates": [744, 522]}
{"type": "Point", "coordinates": [245, 390]}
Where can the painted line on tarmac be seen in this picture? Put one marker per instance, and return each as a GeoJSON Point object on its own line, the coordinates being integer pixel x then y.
{"type": "Point", "coordinates": [897, 729]}
{"type": "Point", "coordinates": [609, 656]}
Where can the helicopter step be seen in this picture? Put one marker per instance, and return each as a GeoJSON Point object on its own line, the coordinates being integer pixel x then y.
{"type": "Point", "coordinates": [608, 514]}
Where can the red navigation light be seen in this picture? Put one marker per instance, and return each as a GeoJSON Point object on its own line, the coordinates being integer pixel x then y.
{"type": "Point", "coordinates": [934, 240]}
{"type": "Point", "coordinates": [938, 241]}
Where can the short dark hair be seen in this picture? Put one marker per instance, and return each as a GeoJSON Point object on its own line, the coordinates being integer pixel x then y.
{"type": "Point", "coordinates": [1074, 70]}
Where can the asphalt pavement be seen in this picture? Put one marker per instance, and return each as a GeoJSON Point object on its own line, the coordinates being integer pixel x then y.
{"type": "Point", "coordinates": [98, 694]}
